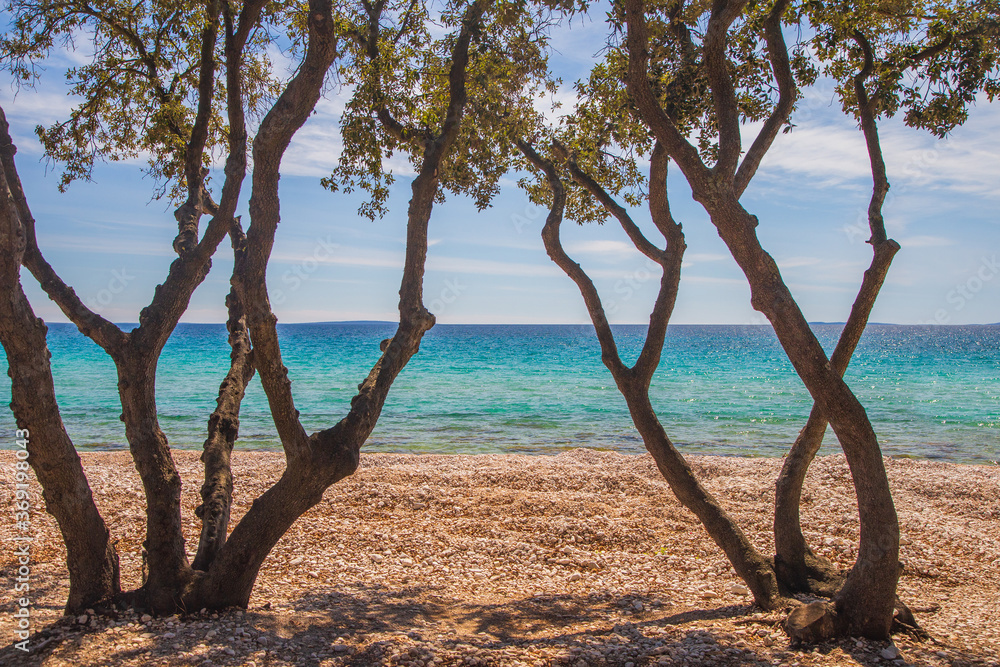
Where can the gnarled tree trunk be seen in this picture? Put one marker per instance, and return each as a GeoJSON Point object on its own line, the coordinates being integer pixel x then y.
{"type": "Point", "coordinates": [91, 556]}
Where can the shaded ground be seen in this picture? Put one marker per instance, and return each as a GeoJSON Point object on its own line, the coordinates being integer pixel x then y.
{"type": "Point", "coordinates": [579, 559]}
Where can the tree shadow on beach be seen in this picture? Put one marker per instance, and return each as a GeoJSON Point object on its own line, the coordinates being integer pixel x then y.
{"type": "Point", "coordinates": [374, 625]}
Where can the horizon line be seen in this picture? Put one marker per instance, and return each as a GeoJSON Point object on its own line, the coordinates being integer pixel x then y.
{"type": "Point", "coordinates": [587, 324]}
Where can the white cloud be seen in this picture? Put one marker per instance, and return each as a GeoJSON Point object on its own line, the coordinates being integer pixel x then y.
{"type": "Point", "coordinates": [614, 249]}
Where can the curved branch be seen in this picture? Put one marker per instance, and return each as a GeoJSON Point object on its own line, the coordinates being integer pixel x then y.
{"type": "Point", "coordinates": [868, 110]}
{"type": "Point", "coordinates": [727, 113]}
{"type": "Point", "coordinates": [679, 148]}
{"type": "Point", "coordinates": [585, 181]}
{"type": "Point", "coordinates": [671, 261]}
{"type": "Point", "coordinates": [553, 246]}
{"type": "Point", "coordinates": [100, 330]}
{"type": "Point", "coordinates": [795, 561]}
{"type": "Point", "coordinates": [370, 43]}
{"type": "Point", "coordinates": [777, 54]}
{"type": "Point", "coordinates": [287, 115]}
{"type": "Point", "coordinates": [189, 214]}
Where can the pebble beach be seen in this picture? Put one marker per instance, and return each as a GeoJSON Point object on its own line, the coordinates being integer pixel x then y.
{"type": "Point", "coordinates": [577, 559]}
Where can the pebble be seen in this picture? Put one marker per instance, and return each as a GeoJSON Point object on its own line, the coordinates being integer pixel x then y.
{"type": "Point", "coordinates": [889, 653]}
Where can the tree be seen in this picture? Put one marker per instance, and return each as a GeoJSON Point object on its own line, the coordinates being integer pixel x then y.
{"type": "Point", "coordinates": [688, 76]}
{"type": "Point", "coordinates": [931, 66]}
{"type": "Point", "coordinates": [410, 90]}
{"type": "Point", "coordinates": [864, 603]}
{"type": "Point", "coordinates": [136, 61]}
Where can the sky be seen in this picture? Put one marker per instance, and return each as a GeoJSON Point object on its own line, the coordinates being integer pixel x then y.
{"type": "Point", "coordinates": [111, 240]}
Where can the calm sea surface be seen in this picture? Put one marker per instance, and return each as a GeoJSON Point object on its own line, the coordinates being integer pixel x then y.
{"type": "Point", "coordinates": [931, 392]}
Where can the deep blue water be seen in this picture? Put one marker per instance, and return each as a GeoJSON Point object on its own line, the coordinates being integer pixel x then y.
{"type": "Point", "coordinates": [930, 391]}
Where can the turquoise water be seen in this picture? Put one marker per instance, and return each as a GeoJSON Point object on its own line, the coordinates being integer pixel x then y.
{"type": "Point", "coordinates": [931, 392]}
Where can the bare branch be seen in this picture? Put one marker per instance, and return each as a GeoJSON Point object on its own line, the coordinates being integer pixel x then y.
{"type": "Point", "coordinates": [777, 54]}
{"type": "Point", "coordinates": [553, 246]}
{"type": "Point", "coordinates": [640, 241]}
{"type": "Point", "coordinates": [103, 332]}
{"type": "Point", "coordinates": [727, 114]}
{"type": "Point", "coordinates": [670, 261]}
{"type": "Point", "coordinates": [867, 111]}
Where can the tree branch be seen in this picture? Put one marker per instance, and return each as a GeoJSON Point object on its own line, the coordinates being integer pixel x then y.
{"type": "Point", "coordinates": [287, 115]}
{"type": "Point", "coordinates": [727, 114]}
{"type": "Point", "coordinates": [777, 54]}
{"type": "Point", "coordinates": [637, 40]}
{"type": "Point", "coordinates": [103, 332]}
{"type": "Point", "coordinates": [641, 243]}
{"type": "Point", "coordinates": [189, 214]}
{"type": "Point", "coordinates": [671, 260]}
{"type": "Point", "coordinates": [867, 111]}
{"type": "Point", "coordinates": [553, 246]}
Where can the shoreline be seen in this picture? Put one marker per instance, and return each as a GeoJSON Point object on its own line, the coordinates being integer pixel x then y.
{"type": "Point", "coordinates": [518, 559]}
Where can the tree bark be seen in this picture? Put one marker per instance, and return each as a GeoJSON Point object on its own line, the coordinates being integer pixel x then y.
{"type": "Point", "coordinates": [223, 429]}
{"type": "Point", "coordinates": [317, 461]}
{"type": "Point", "coordinates": [90, 555]}
{"type": "Point", "coordinates": [797, 565]}
{"type": "Point", "coordinates": [136, 353]}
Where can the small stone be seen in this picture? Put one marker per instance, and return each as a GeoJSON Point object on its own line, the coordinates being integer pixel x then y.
{"type": "Point", "coordinates": [341, 648]}
{"type": "Point", "coordinates": [637, 605]}
{"type": "Point", "coordinates": [82, 619]}
{"type": "Point", "coordinates": [145, 618]}
{"type": "Point", "coordinates": [228, 651]}
{"type": "Point", "coordinates": [738, 589]}
{"type": "Point", "coordinates": [890, 652]}
{"type": "Point", "coordinates": [377, 558]}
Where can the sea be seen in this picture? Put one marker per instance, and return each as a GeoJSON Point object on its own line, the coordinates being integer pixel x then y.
{"type": "Point", "coordinates": [932, 392]}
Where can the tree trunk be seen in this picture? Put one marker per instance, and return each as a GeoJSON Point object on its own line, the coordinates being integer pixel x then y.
{"type": "Point", "coordinates": [750, 565]}
{"type": "Point", "coordinates": [798, 568]}
{"type": "Point", "coordinates": [165, 558]}
{"type": "Point", "coordinates": [90, 555]}
{"type": "Point", "coordinates": [865, 603]}
{"type": "Point", "coordinates": [317, 461]}
{"type": "Point", "coordinates": [634, 382]}
{"type": "Point", "coordinates": [223, 429]}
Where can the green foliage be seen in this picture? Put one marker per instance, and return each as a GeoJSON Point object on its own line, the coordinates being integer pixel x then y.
{"type": "Point", "coordinates": [139, 85]}
{"type": "Point", "coordinates": [930, 60]}
{"type": "Point", "coordinates": [604, 135]}
{"type": "Point", "coordinates": [399, 65]}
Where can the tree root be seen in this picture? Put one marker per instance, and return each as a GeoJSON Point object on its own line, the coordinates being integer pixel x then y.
{"type": "Point", "coordinates": [819, 621]}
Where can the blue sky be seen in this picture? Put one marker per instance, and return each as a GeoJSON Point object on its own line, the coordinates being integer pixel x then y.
{"type": "Point", "coordinates": [113, 243]}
